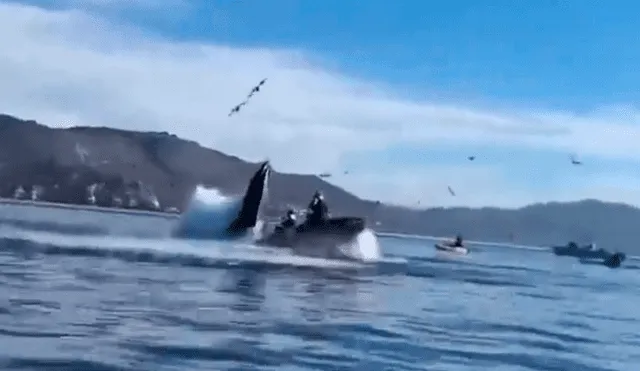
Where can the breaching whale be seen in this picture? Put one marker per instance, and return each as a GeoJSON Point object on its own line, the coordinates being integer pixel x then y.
{"type": "Point", "coordinates": [256, 190]}
{"type": "Point", "coordinates": [230, 219]}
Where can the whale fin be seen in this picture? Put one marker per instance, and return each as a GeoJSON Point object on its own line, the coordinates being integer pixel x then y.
{"type": "Point", "coordinates": [253, 198]}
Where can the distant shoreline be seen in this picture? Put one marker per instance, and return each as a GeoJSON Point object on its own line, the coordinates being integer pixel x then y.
{"type": "Point", "coordinates": [167, 215]}
{"type": "Point", "coordinates": [100, 209]}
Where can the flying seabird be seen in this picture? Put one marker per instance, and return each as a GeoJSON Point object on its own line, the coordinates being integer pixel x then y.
{"type": "Point", "coordinates": [451, 191]}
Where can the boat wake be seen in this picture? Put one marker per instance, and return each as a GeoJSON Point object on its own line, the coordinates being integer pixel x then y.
{"type": "Point", "coordinates": [196, 253]}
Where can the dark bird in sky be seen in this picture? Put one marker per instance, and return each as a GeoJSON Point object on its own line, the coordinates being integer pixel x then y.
{"type": "Point", "coordinates": [575, 161]}
{"type": "Point", "coordinates": [451, 191]}
{"type": "Point", "coordinates": [236, 109]}
{"type": "Point", "coordinates": [471, 158]}
{"type": "Point", "coordinates": [256, 88]}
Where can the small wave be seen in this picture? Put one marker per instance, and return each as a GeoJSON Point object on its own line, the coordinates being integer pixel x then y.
{"type": "Point", "coordinates": [61, 364]}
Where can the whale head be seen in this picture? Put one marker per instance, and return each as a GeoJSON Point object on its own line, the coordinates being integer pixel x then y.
{"type": "Point", "coordinates": [251, 202]}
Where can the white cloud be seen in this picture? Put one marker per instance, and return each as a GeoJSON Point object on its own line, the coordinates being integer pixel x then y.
{"type": "Point", "coordinates": [69, 67]}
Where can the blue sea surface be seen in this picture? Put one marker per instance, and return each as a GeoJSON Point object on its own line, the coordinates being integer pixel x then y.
{"type": "Point", "coordinates": [122, 303]}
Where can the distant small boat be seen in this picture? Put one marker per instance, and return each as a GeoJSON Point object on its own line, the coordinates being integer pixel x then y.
{"type": "Point", "coordinates": [590, 254]}
{"type": "Point", "coordinates": [460, 250]}
{"type": "Point", "coordinates": [587, 251]}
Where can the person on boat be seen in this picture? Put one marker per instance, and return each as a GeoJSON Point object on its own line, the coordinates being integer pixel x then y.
{"type": "Point", "coordinates": [289, 220]}
{"type": "Point", "coordinates": [318, 211]}
{"type": "Point", "coordinates": [457, 242]}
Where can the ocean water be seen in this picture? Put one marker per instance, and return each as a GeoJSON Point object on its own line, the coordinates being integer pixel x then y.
{"type": "Point", "coordinates": [123, 303]}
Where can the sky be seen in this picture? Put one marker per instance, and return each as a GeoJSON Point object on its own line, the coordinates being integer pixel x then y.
{"type": "Point", "coordinates": [399, 96]}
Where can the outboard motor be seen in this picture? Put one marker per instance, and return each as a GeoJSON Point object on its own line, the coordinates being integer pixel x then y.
{"type": "Point", "coordinates": [615, 260]}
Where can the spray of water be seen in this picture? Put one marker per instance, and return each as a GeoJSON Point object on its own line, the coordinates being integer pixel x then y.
{"type": "Point", "coordinates": [208, 215]}
{"type": "Point", "coordinates": [364, 247]}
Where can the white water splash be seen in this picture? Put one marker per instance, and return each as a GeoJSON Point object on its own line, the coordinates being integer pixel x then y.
{"type": "Point", "coordinates": [364, 247]}
{"type": "Point", "coordinates": [208, 215]}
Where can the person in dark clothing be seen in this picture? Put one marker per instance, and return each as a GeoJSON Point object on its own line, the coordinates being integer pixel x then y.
{"type": "Point", "coordinates": [289, 220]}
{"type": "Point", "coordinates": [457, 242]}
{"type": "Point", "coordinates": [318, 211]}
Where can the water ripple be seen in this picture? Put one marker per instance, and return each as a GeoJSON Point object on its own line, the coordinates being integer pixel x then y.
{"type": "Point", "coordinates": [87, 308]}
